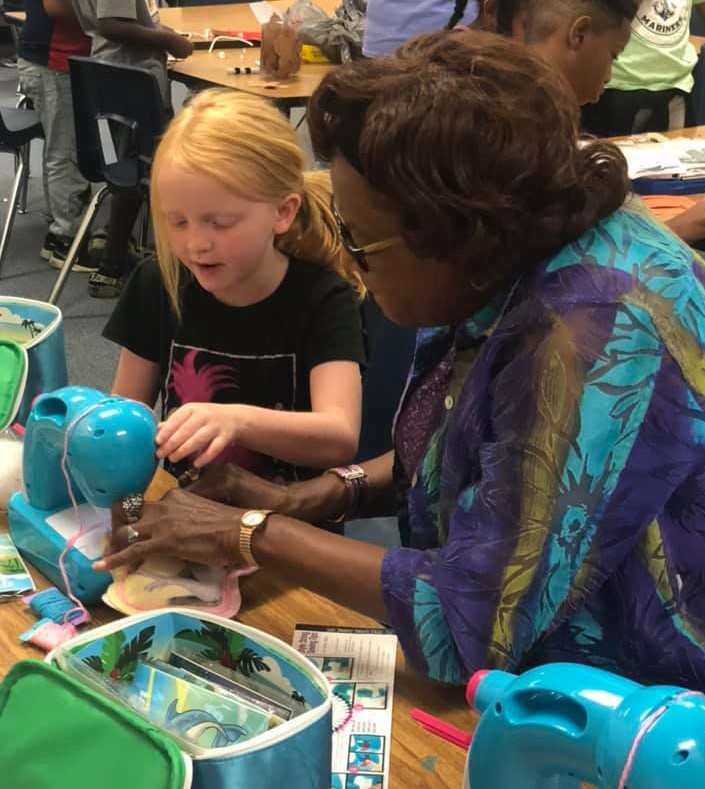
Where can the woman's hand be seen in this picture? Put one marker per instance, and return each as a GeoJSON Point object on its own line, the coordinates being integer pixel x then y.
{"type": "Point", "coordinates": [201, 430]}
{"type": "Point", "coordinates": [182, 525]}
{"type": "Point", "coordinates": [233, 485]}
{"type": "Point", "coordinates": [314, 501]}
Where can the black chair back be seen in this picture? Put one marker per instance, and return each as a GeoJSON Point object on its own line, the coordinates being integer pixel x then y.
{"type": "Point", "coordinates": [390, 351]}
{"type": "Point", "coordinates": [18, 127]}
{"type": "Point", "coordinates": [119, 116]}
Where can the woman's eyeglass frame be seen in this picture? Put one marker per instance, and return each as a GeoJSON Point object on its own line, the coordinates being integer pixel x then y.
{"type": "Point", "coordinates": [359, 254]}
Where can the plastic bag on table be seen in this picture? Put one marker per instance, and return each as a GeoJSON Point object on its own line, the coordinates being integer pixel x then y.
{"type": "Point", "coordinates": [339, 37]}
{"type": "Point", "coordinates": [304, 13]}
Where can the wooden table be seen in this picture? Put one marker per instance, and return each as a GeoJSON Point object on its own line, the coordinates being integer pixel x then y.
{"type": "Point", "coordinates": [418, 759]}
{"type": "Point", "coordinates": [691, 131]}
{"type": "Point", "coordinates": [212, 69]}
{"type": "Point", "coordinates": [207, 68]}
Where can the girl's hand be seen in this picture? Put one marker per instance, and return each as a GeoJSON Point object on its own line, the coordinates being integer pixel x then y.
{"type": "Point", "coordinates": [181, 525]}
{"type": "Point", "coordinates": [201, 430]}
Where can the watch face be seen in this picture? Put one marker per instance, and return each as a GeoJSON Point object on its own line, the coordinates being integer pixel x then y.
{"type": "Point", "coordinates": [253, 517]}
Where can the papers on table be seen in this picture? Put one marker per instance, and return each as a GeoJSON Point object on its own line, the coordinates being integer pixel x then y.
{"type": "Point", "coordinates": [359, 664]}
{"type": "Point", "coordinates": [680, 158]}
{"type": "Point", "coordinates": [14, 578]}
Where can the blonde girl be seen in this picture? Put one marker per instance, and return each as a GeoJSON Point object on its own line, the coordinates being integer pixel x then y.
{"type": "Point", "coordinates": [249, 327]}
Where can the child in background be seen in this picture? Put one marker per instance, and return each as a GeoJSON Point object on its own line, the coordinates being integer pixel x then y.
{"type": "Point", "coordinates": [247, 328]}
{"type": "Point", "coordinates": [653, 78]}
{"type": "Point", "coordinates": [127, 32]}
{"type": "Point", "coordinates": [50, 35]}
{"type": "Point", "coordinates": [389, 23]}
{"type": "Point", "coordinates": [549, 27]}
{"type": "Point", "coordinates": [580, 38]}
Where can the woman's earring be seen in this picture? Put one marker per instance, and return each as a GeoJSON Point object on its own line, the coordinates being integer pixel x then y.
{"type": "Point", "coordinates": [481, 288]}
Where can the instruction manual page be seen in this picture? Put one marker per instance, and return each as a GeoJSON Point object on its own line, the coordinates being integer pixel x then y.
{"type": "Point", "coordinates": [359, 664]}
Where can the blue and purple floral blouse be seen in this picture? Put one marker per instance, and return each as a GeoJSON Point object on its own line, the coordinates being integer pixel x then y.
{"type": "Point", "coordinates": [552, 449]}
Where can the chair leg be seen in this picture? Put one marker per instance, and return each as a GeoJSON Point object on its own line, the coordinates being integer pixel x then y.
{"type": "Point", "coordinates": [86, 223]}
{"type": "Point", "coordinates": [301, 121]}
{"type": "Point", "coordinates": [143, 239]}
{"type": "Point", "coordinates": [11, 209]}
{"type": "Point", "coordinates": [24, 155]}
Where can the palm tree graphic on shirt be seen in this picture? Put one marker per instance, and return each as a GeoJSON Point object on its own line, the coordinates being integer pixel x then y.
{"type": "Point", "coordinates": [199, 385]}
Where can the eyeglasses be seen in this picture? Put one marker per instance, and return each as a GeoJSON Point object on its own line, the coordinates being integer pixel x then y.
{"type": "Point", "coordinates": [359, 254]}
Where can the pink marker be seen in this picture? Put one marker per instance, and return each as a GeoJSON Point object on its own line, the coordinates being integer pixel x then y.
{"type": "Point", "coordinates": [441, 729]}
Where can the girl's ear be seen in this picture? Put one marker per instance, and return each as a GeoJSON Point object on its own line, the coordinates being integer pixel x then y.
{"type": "Point", "coordinates": [286, 213]}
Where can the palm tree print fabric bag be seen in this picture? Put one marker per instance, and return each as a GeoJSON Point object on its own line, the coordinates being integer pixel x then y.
{"type": "Point", "coordinates": [37, 327]}
{"type": "Point", "coordinates": [146, 665]}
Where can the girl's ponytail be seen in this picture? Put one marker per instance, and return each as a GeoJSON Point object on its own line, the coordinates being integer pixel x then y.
{"type": "Point", "coordinates": [313, 235]}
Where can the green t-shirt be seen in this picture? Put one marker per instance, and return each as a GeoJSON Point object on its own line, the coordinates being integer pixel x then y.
{"type": "Point", "coordinates": [659, 54]}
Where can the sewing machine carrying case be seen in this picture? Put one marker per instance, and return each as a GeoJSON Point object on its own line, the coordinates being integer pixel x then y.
{"type": "Point", "coordinates": [38, 327]}
{"type": "Point", "coordinates": [56, 720]}
{"type": "Point", "coordinates": [58, 734]}
{"type": "Point", "coordinates": [13, 380]}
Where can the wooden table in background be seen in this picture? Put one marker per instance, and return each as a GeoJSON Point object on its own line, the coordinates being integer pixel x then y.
{"type": "Point", "coordinates": [276, 608]}
{"type": "Point", "coordinates": [211, 68]}
{"type": "Point", "coordinates": [691, 131]}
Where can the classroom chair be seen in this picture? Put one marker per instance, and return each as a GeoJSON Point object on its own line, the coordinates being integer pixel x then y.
{"type": "Point", "coordinates": [696, 114]}
{"type": "Point", "coordinates": [18, 127]}
{"type": "Point", "coordinates": [21, 157]}
{"type": "Point", "coordinates": [390, 349]}
{"type": "Point", "coordinates": [119, 116]}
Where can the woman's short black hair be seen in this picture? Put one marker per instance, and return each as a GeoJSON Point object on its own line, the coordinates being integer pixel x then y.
{"type": "Point", "coordinates": [473, 139]}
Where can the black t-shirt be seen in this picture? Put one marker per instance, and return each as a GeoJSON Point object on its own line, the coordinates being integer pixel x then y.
{"type": "Point", "coordinates": [260, 355]}
{"type": "Point", "coordinates": [35, 34]}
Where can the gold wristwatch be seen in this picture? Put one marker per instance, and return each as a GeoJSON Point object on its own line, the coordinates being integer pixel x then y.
{"type": "Point", "coordinates": [250, 521]}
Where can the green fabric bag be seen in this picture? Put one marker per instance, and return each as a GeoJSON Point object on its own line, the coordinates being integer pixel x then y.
{"type": "Point", "coordinates": [56, 733]}
{"type": "Point", "coordinates": [13, 379]}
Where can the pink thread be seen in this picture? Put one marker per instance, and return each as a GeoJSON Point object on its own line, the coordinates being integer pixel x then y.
{"type": "Point", "coordinates": [81, 530]}
{"type": "Point", "coordinates": [644, 729]}
{"type": "Point", "coordinates": [49, 635]}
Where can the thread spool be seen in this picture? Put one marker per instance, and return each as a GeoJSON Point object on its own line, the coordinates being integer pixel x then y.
{"type": "Point", "coordinates": [52, 604]}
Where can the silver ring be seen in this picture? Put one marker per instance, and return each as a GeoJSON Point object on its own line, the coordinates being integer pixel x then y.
{"type": "Point", "coordinates": [132, 534]}
{"type": "Point", "coordinates": [191, 474]}
{"type": "Point", "coordinates": [132, 507]}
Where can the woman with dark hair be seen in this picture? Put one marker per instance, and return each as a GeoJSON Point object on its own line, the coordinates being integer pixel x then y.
{"type": "Point", "coordinates": [549, 463]}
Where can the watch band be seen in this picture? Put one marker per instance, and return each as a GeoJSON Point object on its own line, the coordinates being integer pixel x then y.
{"type": "Point", "coordinates": [250, 521]}
{"type": "Point", "coordinates": [355, 479]}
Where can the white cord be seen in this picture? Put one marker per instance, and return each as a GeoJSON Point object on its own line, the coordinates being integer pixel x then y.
{"type": "Point", "coordinates": [228, 38]}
